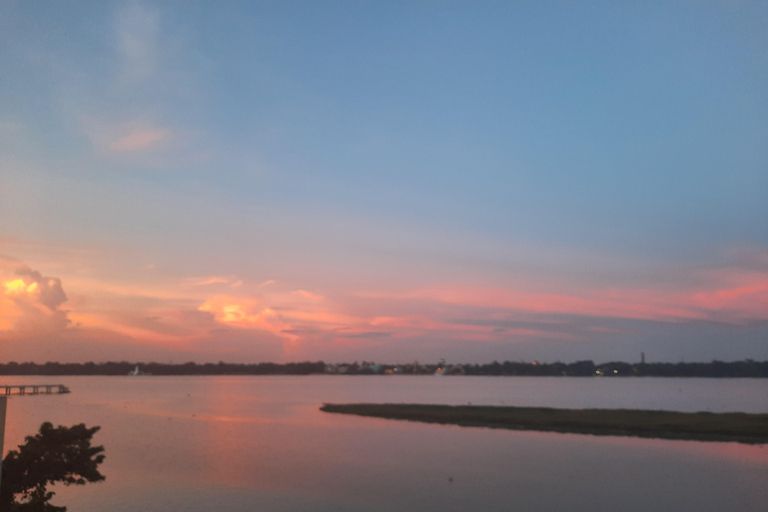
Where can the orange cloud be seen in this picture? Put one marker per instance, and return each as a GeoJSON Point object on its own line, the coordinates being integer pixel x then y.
{"type": "Point", "coordinates": [18, 288]}
{"type": "Point", "coordinates": [9, 313]}
{"type": "Point", "coordinates": [28, 300]}
{"type": "Point", "coordinates": [244, 312]}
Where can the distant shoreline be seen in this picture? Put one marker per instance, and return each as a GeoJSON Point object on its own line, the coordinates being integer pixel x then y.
{"type": "Point", "coordinates": [699, 426]}
{"type": "Point", "coordinates": [425, 376]}
{"type": "Point", "coordinates": [714, 369]}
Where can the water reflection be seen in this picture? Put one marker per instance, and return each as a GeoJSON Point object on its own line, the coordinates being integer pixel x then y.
{"type": "Point", "coordinates": [218, 443]}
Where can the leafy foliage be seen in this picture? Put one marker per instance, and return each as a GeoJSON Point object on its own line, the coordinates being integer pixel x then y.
{"type": "Point", "coordinates": [60, 454]}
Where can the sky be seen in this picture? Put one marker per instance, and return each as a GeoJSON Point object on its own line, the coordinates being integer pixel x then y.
{"type": "Point", "coordinates": [383, 181]}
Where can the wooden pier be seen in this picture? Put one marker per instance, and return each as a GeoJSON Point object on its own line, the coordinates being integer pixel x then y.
{"type": "Point", "coordinates": [34, 389]}
{"type": "Point", "coordinates": [24, 390]}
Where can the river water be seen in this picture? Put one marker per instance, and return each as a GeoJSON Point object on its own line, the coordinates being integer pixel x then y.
{"type": "Point", "coordinates": [261, 444]}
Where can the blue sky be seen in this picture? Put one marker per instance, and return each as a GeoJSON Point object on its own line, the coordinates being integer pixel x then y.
{"type": "Point", "coordinates": [382, 149]}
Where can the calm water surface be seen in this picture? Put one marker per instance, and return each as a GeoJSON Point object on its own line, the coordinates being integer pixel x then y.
{"type": "Point", "coordinates": [260, 443]}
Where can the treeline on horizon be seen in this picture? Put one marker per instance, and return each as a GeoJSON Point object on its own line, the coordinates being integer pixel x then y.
{"type": "Point", "coordinates": [746, 368]}
{"type": "Point", "coordinates": [124, 368]}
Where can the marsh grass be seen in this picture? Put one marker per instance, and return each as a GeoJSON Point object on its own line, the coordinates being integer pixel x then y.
{"type": "Point", "coordinates": [699, 426]}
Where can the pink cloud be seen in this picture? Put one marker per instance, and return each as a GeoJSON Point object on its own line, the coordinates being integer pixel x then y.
{"type": "Point", "coordinates": [413, 325]}
{"type": "Point", "coordinates": [740, 294]}
{"type": "Point", "coordinates": [139, 139]}
{"type": "Point", "coordinates": [159, 310]}
{"type": "Point", "coordinates": [205, 281]}
{"type": "Point", "coordinates": [624, 303]}
{"type": "Point", "coordinates": [747, 298]}
{"type": "Point", "coordinates": [309, 295]}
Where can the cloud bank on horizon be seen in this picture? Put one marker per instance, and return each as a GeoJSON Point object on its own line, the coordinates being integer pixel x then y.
{"type": "Point", "coordinates": [203, 318]}
{"type": "Point", "coordinates": [383, 182]}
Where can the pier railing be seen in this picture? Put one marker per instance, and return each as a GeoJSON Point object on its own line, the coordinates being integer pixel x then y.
{"type": "Point", "coordinates": [34, 389]}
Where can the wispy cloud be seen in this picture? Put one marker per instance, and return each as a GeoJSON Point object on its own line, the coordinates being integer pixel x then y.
{"type": "Point", "coordinates": [367, 335]}
{"type": "Point", "coordinates": [206, 281]}
{"type": "Point", "coordinates": [138, 29]}
{"type": "Point", "coordinates": [139, 139]}
{"type": "Point", "coordinates": [315, 297]}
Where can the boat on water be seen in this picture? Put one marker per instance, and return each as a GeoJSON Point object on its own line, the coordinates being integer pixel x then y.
{"type": "Point", "coordinates": [136, 372]}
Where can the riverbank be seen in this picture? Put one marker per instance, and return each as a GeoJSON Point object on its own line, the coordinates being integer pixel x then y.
{"type": "Point", "coordinates": [700, 426]}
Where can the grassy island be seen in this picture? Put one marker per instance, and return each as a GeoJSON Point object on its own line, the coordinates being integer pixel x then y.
{"type": "Point", "coordinates": [699, 426]}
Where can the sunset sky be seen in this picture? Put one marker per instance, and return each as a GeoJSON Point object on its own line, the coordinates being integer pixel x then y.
{"type": "Point", "coordinates": [387, 181]}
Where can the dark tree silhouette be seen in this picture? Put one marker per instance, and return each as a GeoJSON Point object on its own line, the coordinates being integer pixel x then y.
{"type": "Point", "coordinates": [60, 454]}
